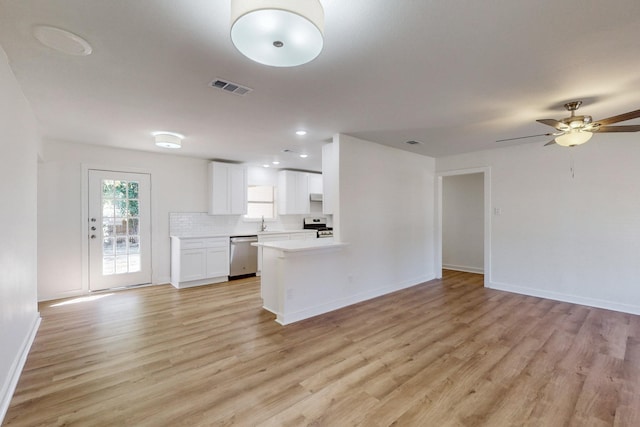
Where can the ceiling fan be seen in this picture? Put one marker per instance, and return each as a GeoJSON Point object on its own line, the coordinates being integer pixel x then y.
{"type": "Point", "coordinates": [575, 130]}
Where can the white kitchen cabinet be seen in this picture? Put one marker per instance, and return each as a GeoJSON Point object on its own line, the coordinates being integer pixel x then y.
{"type": "Point", "coordinates": [199, 261]}
{"type": "Point", "coordinates": [293, 193]}
{"type": "Point", "coordinates": [277, 237]}
{"type": "Point", "coordinates": [315, 183]}
{"type": "Point", "coordinates": [227, 189]}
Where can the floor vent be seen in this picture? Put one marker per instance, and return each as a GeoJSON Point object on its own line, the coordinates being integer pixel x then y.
{"type": "Point", "coordinates": [231, 87]}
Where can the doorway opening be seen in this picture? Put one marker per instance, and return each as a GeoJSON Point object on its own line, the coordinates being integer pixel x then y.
{"type": "Point", "coordinates": [463, 226]}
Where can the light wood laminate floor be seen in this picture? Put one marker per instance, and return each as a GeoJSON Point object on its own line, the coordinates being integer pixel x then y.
{"type": "Point", "coordinates": [447, 352]}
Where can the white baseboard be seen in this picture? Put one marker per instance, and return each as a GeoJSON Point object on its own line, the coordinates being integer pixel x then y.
{"type": "Point", "coordinates": [573, 299]}
{"type": "Point", "coordinates": [9, 387]}
{"type": "Point", "coordinates": [317, 310]}
{"type": "Point", "coordinates": [475, 270]}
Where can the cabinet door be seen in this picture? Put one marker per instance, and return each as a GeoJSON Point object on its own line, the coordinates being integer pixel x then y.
{"type": "Point", "coordinates": [302, 204]}
{"type": "Point", "coordinates": [238, 190]}
{"type": "Point", "coordinates": [315, 183]}
{"type": "Point", "coordinates": [193, 264]}
{"type": "Point", "coordinates": [217, 262]}
{"type": "Point", "coordinates": [227, 189]}
{"type": "Point", "coordinates": [293, 192]}
{"type": "Point", "coordinates": [219, 183]}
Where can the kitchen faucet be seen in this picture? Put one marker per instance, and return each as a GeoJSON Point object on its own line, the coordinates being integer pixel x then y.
{"type": "Point", "coordinates": [263, 226]}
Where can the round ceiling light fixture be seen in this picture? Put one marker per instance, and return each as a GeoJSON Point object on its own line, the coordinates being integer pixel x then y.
{"type": "Point", "coordinates": [278, 33]}
{"type": "Point", "coordinates": [168, 139]}
{"type": "Point", "coordinates": [62, 40]}
{"type": "Point", "coordinates": [573, 137]}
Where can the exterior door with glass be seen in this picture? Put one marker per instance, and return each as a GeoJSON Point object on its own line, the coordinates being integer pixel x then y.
{"type": "Point", "coordinates": [119, 229]}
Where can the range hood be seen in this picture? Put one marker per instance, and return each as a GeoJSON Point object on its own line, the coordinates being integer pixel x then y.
{"type": "Point", "coordinates": [315, 197]}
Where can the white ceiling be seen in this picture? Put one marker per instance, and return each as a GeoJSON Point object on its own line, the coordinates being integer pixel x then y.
{"type": "Point", "coordinates": [455, 75]}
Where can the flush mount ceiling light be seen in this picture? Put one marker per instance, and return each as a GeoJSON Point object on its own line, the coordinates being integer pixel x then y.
{"type": "Point", "coordinates": [278, 33]}
{"type": "Point", "coordinates": [168, 139]}
{"type": "Point", "coordinates": [62, 40]}
{"type": "Point", "coordinates": [301, 132]}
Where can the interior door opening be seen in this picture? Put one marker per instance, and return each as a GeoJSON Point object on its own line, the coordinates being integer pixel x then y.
{"type": "Point", "coordinates": [463, 222]}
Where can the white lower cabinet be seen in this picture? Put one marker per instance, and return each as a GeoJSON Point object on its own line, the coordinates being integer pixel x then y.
{"type": "Point", "coordinates": [278, 237]}
{"type": "Point", "coordinates": [199, 261]}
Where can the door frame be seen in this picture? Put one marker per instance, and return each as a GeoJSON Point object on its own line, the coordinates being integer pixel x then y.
{"type": "Point", "coordinates": [84, 220]}
{"type": "Point", "coordinates": [486, 171]}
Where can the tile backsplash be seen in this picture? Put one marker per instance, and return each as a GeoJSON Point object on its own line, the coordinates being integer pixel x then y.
{"type": "Point", "coordinates": [193, 224]}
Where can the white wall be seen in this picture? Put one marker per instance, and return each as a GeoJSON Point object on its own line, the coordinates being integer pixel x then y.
{"type": "Point", "coordinates": [178, 184]}
{"type": "Point", "coordinates": [18, 301]}
{"type": "Point", "coordinates": [463, 222]}
{"type": "Point", "coordinates": [573, 238]}
{"type": "Point", "coordinates": [386, 214]}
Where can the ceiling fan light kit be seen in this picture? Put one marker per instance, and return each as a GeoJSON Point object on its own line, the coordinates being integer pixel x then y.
{"type": "Point", "coordinates": [575, 130]}
{"type": "Point", "coordinates": [573, 137]}
{"type": "Point", "coordinates": [278, 33]}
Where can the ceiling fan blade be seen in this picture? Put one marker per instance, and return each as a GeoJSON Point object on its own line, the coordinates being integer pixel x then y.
{"type": "Point", "coordinates": [630, 128]}
{"type": "Point", "coordinates": [620, 118]}
{"type": "Point", "coordinates": [553, 123]}
{"type": "Point", "coordinates": [552, 142]}
{"type": "Point", "coordinates": [523, 137]}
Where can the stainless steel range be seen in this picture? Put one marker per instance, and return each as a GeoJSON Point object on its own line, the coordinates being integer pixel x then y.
{"type": "Point", "coordinates": [319, 224]}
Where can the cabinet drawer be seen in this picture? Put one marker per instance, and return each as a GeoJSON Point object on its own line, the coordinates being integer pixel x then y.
{"type": "Point", "coordinates": [216, 242]}
{"type": "Point", "coordinates": [192, 244]}
{"type": "Point", "coordinates": [298, 236]}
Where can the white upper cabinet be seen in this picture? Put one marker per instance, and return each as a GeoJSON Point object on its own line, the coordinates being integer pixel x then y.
{"type": "Point", "coordinates": [227, 189]}
{"type": "Point", "coordinates": [293, 193]}
{"type": "Point", "coordinates": [315, 183]}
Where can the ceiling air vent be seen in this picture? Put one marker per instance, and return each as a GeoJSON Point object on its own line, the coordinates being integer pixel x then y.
{"type": "Point", "coordinates": [412, 142]}
{"type": "Point", "coordinates": [231, 87]}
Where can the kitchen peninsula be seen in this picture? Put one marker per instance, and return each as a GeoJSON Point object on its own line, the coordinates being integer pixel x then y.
{"type": "Point", "coordinates": [302, 278]}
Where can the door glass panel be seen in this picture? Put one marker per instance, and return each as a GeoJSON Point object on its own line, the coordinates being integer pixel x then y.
{"type": "Point", "coordinates": [108, 229]}
{"type": "Point", "coordinates": [134, 244]}
{"type": "Point", "coordinates": [107, 208]}
{"type": "Point", "coordinates": [133, 229]}
{"type": "Point", "coordinates": [133, 190]}
{"type": "Point", "coordinates": [120, 227]}
{"type": "Point", "coordinates": [108, 247]}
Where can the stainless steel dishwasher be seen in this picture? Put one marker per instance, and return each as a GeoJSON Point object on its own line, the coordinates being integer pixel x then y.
{"type": "Point", "coordinates": [243, 258]}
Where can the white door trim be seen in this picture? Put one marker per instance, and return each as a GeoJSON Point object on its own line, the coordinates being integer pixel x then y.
{"type": "Point", "coordinates": [486, 171]}
{"type": "Point", "coordinates": [84, 220]}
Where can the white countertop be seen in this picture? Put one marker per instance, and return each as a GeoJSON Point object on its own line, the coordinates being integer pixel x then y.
{"type": "Point", "coordinates": [258, 233]}
{"type": "Point", "coordinates": [302, 245]}
{"type": "Point", "coordinates": [267, 232]}
{"type": "Point", "coordinates": [202, 236]}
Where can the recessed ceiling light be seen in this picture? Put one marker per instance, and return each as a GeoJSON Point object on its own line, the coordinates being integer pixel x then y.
{"type": "Point", "coordinates": [168, 139]}
{"type": "Point", "coordinates": [301, 132]}
{"type": "Point", "coordinates": [266, 166]}
{"type": "Point", "coordinates": [62, 40]}
{"type": "Point", "coordinates": [275, 162]}
{"type": "Point", "coordinates": [304, 156]}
